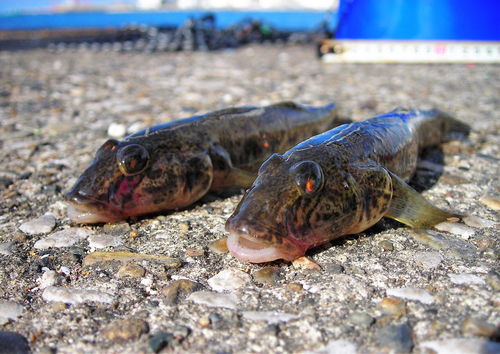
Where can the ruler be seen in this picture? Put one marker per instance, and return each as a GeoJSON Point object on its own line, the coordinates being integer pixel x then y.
{"type": "Point", "coordinates": [395, 51]}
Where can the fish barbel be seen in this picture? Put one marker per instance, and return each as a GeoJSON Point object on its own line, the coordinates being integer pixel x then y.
{"type": "Point", "coordinates": [172, 165]}
{"type": "Point", "coordinates": [338, 183]}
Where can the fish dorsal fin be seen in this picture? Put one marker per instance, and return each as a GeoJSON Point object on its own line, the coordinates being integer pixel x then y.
{"type": "Point", "coordinates": [410, 208]}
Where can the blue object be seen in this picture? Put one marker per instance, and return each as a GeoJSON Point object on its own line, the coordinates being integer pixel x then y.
{"type": "Point", "coordinates": [477, 20]}
{"type": "Point", "coordinates": [282, 20]}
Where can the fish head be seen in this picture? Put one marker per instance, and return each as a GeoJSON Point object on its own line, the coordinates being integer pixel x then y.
{"type": "Point", "coordinates": [128, 179]}
{"type": "Point", "coordinates": [297, 205]}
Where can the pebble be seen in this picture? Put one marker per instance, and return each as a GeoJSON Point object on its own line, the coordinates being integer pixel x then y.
{"type": "Point", "coordinates": [117, 229]}
{"type": "Point", "coordinates": [19, 237]}
{"type": "Point", "coordinates": [266, 276]}
{"type": "Point", "coordinates": [41, 226]}
{"type": "Point", "coordinates": [204, 321]}
{"type": "Point", "coordinates": [125, 330]}
{"type": "Point", "coordinates": [466, 279]}
{"type": "Point", "coordinates": [7, 248]}
{"type": "Point", "coordinates": [131, 270]}
{"type": "Point", "coordinates": [478, 222]}
{"type": "Point", "coordinates": [10, 310]}
{"type": "Point", "coordinates": [130, 257]}
{"type": "Point", "coordinates": [5, 182]}
{"type": "Point", "coordinates": [452, 247]}
{"type": "Point", "coordinates": [491, 201]}
{"type": "Point", "coordinates": [271, 317]}
{"type": "Point", "coordinates": [13, 343]}
{"type": "Point", "coordinates": [296, 287]}
{"type": "Point", "coordinates": [493, 279]}
{"type": "Point", "coordinates": [461, 346]}
{"type": "Point", "coordinates": [218, 246]}
{"type": "Point", "coordinates": [360, 319]}
{"type": "Point", "coordinates": [393, 307]}
{"type": "Point", "coordinates": [396, 338]}
{"type": "Point", "coordinates": [195, 252]}
{"type": "Point", "coordinates": [478, 327]}
{"type": "Point", "coordinates": [50, 278]}
{"type": "Point", "coordinates": [428, 259]}
{"type": "Point", "coordinates": [333, 268]}
{"type": "Point", "coordinates": [491, 253]}
{"type": "Point", "coordinates": [340, 346]}
{"type": "Point", "coordinates": [386, 245]}
{"type": "Point", "coordinates": [101, 241]}
{"type": "Point", "coordinates": [414, 294]}
{"type": "Point", "coordinates": [117, 130]}
{"type": "Point", "coordinates": [213, 299]}
{"type": "Point", "coordinates": [229, 280]}
{"type": "Point", "coordinates": [461, 230]}
{"type": "Point", "coordinates": [179, 290]}
{"type": "Point", "coordinates": [159, 341]}
{"type": "Point", "coordinates": [63, 238]}
{"type": "Point", "coordinates": [73, 296]}
{"type": "Point", "coordinates": [306, 264]}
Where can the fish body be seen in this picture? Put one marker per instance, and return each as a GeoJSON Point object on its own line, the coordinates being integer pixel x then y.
{"type": "Point", "coordinates": [172, 165]}
{"type": "Point", "coordinates": [338, 183]}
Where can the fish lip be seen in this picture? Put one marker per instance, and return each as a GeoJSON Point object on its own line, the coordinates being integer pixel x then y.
{"type": "Point", "coordinates": [85, 210]}
{"type": "Point", "coordinates": [244, 242]}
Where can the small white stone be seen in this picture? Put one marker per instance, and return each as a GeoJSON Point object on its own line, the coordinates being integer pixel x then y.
{"type": "Point", "coordinates": [228, 280]}
{"type": "Point", "coordinates": [429, 259]}
{"type": "Point", "coordinates": [64, 238]}
{"type": "Point", "coordinates": [7, 248]}
{"type": "Point", "coordinates": [462, 346]}
{"type": "Point", "coordinates": [270, 317]}
{"type": "Point", "coordinates": [213, 299]}
{"type": "Point", "coordinates": [414, 294]}
{"type": "Point", "coordinates": [461, 230]}
{"type": "Point", "coordinates": [65, 270]}
{"type": "Point", "coordinates": [117, 130]}
{"type": "Point", "coordinates": [101, 241]}
{"type": "Point", "coordinates": [10, 309]}
{"type": "Point", "coordinates": [135, 127]}
{"type": "Point", "coordinates": [465, 279]}
{"type": "Point", "coordinates": [42, 225]}
{"type": "Point", "coordinates": [73, 296]}
{"type": "Point", "coordinates": [50, 278]}
{"type": "Point", "coordinates": [475, 221]}
{"type": "Point", "coordinates": [340, 346]}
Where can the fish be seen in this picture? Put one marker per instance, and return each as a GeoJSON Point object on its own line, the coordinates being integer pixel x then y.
{"type": "Point", "coordinates": [338, 183]}
{"type": "Point", "coordinates": [172, 165]}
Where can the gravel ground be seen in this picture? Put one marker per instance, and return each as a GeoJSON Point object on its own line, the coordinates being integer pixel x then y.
{"type": "Point", "coordinates": [158, 284]}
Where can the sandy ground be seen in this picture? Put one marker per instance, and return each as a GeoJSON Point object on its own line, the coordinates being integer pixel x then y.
{"type": "Point", "coordinates": [387, 290]}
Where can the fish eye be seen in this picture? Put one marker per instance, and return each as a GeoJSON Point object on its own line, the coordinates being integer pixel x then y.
{"type": "Point", "coordinates": [132, 159]}
{"type": "Point", "coordinates": [308, 177]}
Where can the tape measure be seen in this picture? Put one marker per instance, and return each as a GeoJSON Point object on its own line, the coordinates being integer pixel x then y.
{"type": "Point", "coordinates": [392, 51]}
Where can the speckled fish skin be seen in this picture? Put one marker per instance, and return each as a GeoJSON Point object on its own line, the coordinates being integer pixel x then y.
{"type": "Point", "coordinates": [338, 183]}
{"type": "Point", "coordinates": [172, 165]}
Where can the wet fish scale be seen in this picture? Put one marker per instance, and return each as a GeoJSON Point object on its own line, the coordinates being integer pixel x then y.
{"type": "Point", "coordinates": [172, 165]}
{"type": "Point", "coordinates": [355, 174]}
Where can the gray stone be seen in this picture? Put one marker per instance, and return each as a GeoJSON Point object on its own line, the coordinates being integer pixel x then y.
{"type": "Point", "coordinates": [42, 225]}
{"type": "Point", "coordinates": [64, 238]}
{"type": "Point", "coordinates": [270, 317]}
{"type": "Point", "coordinates": [13, 343]}
{"type": "Point", "coordinates": [7, 248]}
{"type": "Point", "coordinates": [10, 310]}
{"type": "Point", "coordinates": [73, 296]}
{"type": "Point", "coordinates": [360, 319]}
{"type": "Point", "coordinates": [213, 299]}
{"type": "Point", "coordinates": [101, 241]}
{"type": "Point", "coordinates": [465, 279]}
{"type": "Point", "coordinates": [229, 280]}
{"type": "Point", "coordinates": [429, 259]}
{"type": "Point", "coordinates": [451, 246]}
{"type": "Point", "coordinates": [395, 338]}
{"type": "Point", "coordinates": [462, 346]}
{"type": "Point", "coordinates": [414, 294]}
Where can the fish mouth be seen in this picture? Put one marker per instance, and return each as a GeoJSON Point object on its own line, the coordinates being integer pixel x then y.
{"type": "Point", "coordinates": [254, 243]}
{"type": "Point", "coordinates": [83, 210]}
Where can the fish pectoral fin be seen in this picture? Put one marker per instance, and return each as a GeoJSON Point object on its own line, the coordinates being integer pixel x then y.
{"type": "Point", "coordinates": [412, 209]}
{"type": "Point", "coordinates": [225, 174]}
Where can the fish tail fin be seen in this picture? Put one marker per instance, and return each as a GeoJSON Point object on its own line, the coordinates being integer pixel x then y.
{"type": "Point", "coordinates": [410, 208]}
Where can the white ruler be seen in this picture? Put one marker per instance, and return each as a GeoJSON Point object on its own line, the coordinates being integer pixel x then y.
{"type": "Point", "coordinates": [385, 51]}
